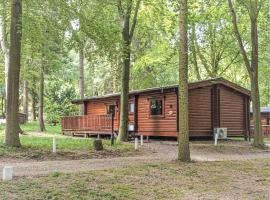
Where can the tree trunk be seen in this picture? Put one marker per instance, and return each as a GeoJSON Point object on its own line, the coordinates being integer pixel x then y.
{"type": "Point", "coordinates": [34, 108]}
{"type": "Point", "coordinates": [25, 99]}
{"type": "Point", "coordinates": [2, 104]}
{"type": "Point", "coordinates": [81, 79]}
{"type": "Point", "coordinates": [123, 130]}
{"type": "Point", "coordinates": [5, 50]}
{"type": "Point", "coordinates": [251, 66]}
{"type": "Point", "coordinates": [255, 97]}
{"type": "Point", "coordinates": [194, 53]}
{"type": "Point", "coordinates": [41, 100]}
{"type": "Point", "coordinates": [12, 124]}
{"type": "Point", "coordinates": [127, 35]}
{"type": "Point", "coordinates": [183, 135]}
{"type": "Point", "coordinates": [255, 93]}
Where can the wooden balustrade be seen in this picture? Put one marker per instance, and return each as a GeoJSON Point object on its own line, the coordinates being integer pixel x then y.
{"type": "Point", "coordinates": [265, 130]}
{"type": "Point", "coordinates": [88, 123]}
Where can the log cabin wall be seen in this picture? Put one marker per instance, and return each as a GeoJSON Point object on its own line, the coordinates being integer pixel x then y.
{"type": "Point", "coordinates": [100, 106]}
{"type": "Point", "coordinates": [164, 125]}
{"type": "Point", "coordinates": [232, 111]}
{"type": "Point", "coordinates": [265, 119]}
{"type": "Point", "coordinates": [210, 106]}
{"type": "Point", "coordinates": [200, 112]}
{"type": "Point", "coordinates": [200, 118]}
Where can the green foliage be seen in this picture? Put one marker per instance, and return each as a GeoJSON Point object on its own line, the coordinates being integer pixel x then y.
{"type": "Point", "coordinates": [58, 100]}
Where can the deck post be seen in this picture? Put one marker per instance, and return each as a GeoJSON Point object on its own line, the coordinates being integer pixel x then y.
{"type": "Point", "coordinates": [98, 136]}
{"type": "Point", "coordinates": [54, 145]}
{"type": "Point", "coordinates": [141, 140]}
{"type": "Point", "coordinates": [7, 173]}
{"type": "Point", "coordinates": [112, 134]}
{"type": "Point", "coordinates": [216, 138]}
{"type": "Point", "coordinates": [136, 143]}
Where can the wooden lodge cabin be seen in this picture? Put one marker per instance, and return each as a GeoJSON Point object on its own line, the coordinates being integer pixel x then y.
{"type": "Point", "coordinates": [153, 112]}
{"type": "Point", "coordinates": [265, 116]}
{"type": "Point", "coordinates": [265, 120]}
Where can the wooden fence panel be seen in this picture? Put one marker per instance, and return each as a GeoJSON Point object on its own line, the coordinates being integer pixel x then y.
{"type": "Point", "coordinates": [265, 130]}
{"type": "Point", "coordinates": [91, 123]}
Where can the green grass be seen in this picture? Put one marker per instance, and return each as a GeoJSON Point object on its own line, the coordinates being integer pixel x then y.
{"type": "Point", "coordinates": [67, 148]}
{"type": "Point", "coordinates": [34, 127]}
{"type": "Point", "coordinates": [36, 147]}
{"type": "Point", "coordinates": [63, 143]}
{"type": "Point", "coordinates": [197, 180]}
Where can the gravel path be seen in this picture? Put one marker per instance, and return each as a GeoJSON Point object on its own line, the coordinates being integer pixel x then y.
{"type": "Point", "coordinates": [158, 152]}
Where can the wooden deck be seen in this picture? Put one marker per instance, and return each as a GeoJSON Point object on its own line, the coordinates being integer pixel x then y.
{"type": "Point", "coordinates": [88, 125]}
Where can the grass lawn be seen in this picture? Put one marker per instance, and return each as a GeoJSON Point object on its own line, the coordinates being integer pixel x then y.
{"type": "Point", "coordinates": [34, 127]}
{"type": "Point", "coordinates": [39, 147]}
{"type": "Point", "coordinates": [196, 180]}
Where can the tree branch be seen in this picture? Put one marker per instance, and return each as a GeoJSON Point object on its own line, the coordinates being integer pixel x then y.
{"type": "Point", "coordinates": [238, 37]}
{"type": "Point", "coordinates": [203, 60]}
{"type": "Point", "coordinates": [134, 21]}
{"type": "Point", "coordinates": [232, 62]}
{"type": "Point", "coordinates": [121, 13]}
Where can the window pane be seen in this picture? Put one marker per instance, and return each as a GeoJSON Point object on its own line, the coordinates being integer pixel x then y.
{"type": "Point", "coordinates": [111, 109]}
{"type": "Point", "coordinates": [131, 107]}
{"type": "Point", "coordinates": [156, 107]}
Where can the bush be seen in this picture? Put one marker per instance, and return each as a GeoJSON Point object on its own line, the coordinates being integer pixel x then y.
{"type": "Point", "coordinates": [58, 101]}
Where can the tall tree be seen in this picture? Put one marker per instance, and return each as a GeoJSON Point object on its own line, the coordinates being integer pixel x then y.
{"type": "Point", "coordinates": [25, 98]}
{"type": "Point", "coordinates": [81, 78]}
{"type": "Point", "coordinates": [34, 103]}
{"type": "Point", "coordinates": [124, 10]}
{"type": "Point", "coordinates": [183, 135]}
{"type": "Point", "coordinates": [12, 125]}
{"type": "Point", "coordinates": [4, 45]}
{"type": "Point", "coordinates": [253, 8]}
{"type": "Point", "coordinates": [41, 99]}
{"type": "Point", "coordinates": [194, 52]}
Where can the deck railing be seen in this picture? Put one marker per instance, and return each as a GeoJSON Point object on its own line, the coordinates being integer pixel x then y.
{"type": "Point", "coordinates": [265, 130]}
{"type": "Point", "coordinates": [89, 123]}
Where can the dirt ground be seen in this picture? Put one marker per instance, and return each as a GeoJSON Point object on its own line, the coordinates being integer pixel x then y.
{"type": "Point", "coordinates": [154, 152]}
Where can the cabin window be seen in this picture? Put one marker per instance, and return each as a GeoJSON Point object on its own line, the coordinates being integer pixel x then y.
{"type": "Point", "coordinates": [131, 108]}
{"type": "Point", "coordinates": [156, 107]}
{"type": "Point", "coordinates": [111, 109]}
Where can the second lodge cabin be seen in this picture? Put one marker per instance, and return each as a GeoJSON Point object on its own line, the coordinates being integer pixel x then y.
{"type": "Point", "coordinates": [154, 112]}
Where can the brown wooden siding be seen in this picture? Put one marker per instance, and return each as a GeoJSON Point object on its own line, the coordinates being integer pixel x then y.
{"type": "Point", "coordinates": [228, 104]}
{"type": "Point", "coordinates": [99, 107]}
{"type": "Point", "coordinates": [232, 111]}
{"type": "Point", "coordinates": [265, 119]}
{"type": "Point", "coordinates": [160, 126]}
{"type": "Point", "coordinates": [200, 119]}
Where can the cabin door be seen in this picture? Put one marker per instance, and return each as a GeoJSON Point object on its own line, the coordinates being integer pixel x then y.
{"type": "Point", "coordinates": [113, 109]}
